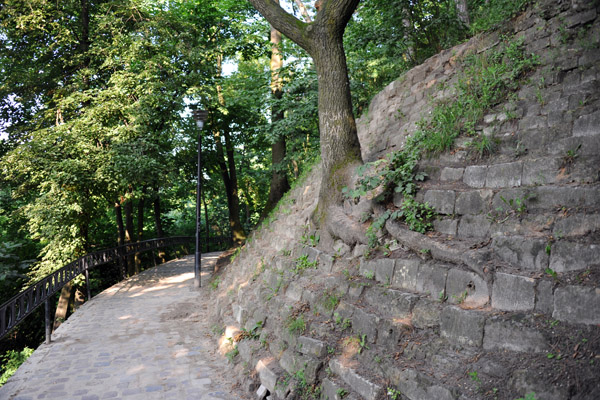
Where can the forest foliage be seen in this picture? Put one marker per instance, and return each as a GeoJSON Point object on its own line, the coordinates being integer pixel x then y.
{"type": "Point", "coordinates": [97, 141]}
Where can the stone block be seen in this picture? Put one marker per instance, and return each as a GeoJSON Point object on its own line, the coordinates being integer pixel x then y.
{"type": "Point", "coordinates": [293, 362]}
{"type": "Point", "coordinates": [474, 226]}
{"type": "Point", "coordinates": [367, 389]}
{"type": "Point", "coordinates": [587, 125]}
{"type": "Point", "coordinates": [473, 202]}
{"type": "Point", "coordinates": [311, 253]}
{"type": "Point", "coordinates": [541, 172]}
{"type": "Point", "coordinates": [446, 226]}
{"type": "Point", "coordinates": [504, 175]}
{"type": "Point", "coordinates": [345, 310]}
{"type": "Point", "coordinates": [294, 291]}
{"type": "Point", "coordinates": [245, 349]}
{"type": "Point", "coordinates": [365, 323]}
{"type": "Point", "coordinates": [550, 197]}
{"type": "Point", "coordinates": [389, 333]}
{"type": "Point", "coordinates": [240, 314]}
{"type": "Point", "coordinates": [311, 347]}
{"type": "Point", "coordinates": [449, 174]}
{"type": "Point", "coordinates": [384, 270]}
{"type": "Point", "coordinates": [580, 18]}
{"type": "Point", "coordinates": [268, 372]}
{"type": "Point", "coordinates": [576, 225]}
{"type": "Point", "coordinates": [571, 256]}
{"type": "Point", "coordinates": [544, 298]}
{"type": "Point", "coordinates": [528, 381]}
{"type": "Point", "coordinates": [441, 200]}
{"type": "Point", "coordinates": [262, 392]}
{"type": "Point", "coordinates": [426, 314]}
{"type": "Point", "coordinates": [510, 335]}
{"type": "Point", "coordinates": [431, 279]}
{"type": "Point", "coordinates": [525, 253]}
{"type": "Point", "coordinates": [331, 390]}
{"type": "Point", "coordinates": [465, 287]}
{"type": "Point", "coordinates": [416, 385]}
{"type": "Point", "coordinates": [475, 176]}
{"type": "Point", "coordinates": [405, 274]}
{"type": "Point", "coordinates": [577, 304]}
{"type": "Point", "coordinates": [325, 262]}
{"type": "Point", "coordinates": [462, 327]}
{"type": "Point", "coordinates": [513, 292]}
{"type": "Point", "coordinates": [367, 267]}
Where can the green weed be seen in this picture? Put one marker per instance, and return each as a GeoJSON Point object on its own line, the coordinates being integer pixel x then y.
{"type": "Point", "coordinates": [303, 264]}
{"type": "Point", "coordinates": [296, 326]}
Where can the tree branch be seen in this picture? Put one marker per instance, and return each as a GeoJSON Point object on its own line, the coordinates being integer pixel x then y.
{"type": "Point", "coordinates": [337, 11]}
{"type": "Point", "coordinates": [285, 23]}
{"type": "Point", "coordinates": [303, 11]}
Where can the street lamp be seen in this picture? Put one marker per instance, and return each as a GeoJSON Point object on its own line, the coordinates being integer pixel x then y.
{"type": "Point", "coordinates": [200, 117]}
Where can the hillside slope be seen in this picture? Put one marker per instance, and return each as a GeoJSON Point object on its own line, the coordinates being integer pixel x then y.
{"type": "Point", "coordinates": [501, 301]}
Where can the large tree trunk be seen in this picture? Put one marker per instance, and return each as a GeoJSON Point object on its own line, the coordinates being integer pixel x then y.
{"type": "Point", "coordinates": [279, 182]}
{"type": "Point", "coordinates": [340, 148]}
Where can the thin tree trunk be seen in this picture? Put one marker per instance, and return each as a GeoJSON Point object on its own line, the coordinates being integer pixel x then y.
{"type": "Point", "coordinates": [228, 173]}
{"type": "Point", "coordinates": [140, 229]}
{"type": "Point", "coordinates": [63, 305]}
{"type": "Point", "coordinates": [158, 224]}
{"type": "Point", "coordinates": [129, 233]}
{"type": "Point", "coordinates": [157, 219]}
{"type": "Point", "coordinates": [462, 9]}
{"type": "Point", "coordinates": [207, 228]}
{"type": "Point", "coordinates": [121, 236]}
{"type": "Point", "coordinates": [279, 182]}
{"type": "Point", "coordinates": [302, 10]}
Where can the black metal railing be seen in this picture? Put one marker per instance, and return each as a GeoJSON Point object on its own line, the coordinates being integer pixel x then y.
{"type": "Point", "coordinates": [15, 310]}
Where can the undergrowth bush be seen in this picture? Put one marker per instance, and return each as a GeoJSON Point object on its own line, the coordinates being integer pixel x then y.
{"type": "Point", "coordinates": [11, 361]}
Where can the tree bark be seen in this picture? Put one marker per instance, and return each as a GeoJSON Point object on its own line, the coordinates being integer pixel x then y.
{"type": "Point", "coordinates": [279, 182]}
{"type": "Point", "coordinates": [462, 9]}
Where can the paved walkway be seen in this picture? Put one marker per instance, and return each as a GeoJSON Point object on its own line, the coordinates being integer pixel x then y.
{"type": "Point", "coordinates": [144, 338]}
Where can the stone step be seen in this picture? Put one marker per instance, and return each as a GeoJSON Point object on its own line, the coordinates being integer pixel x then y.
{"type": "Point", "coordinates": [533, 289]}
{"type": "Point", "coordinates": [366, 388]}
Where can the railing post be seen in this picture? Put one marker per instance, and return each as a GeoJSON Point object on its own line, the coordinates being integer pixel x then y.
{"type": "Point", "coordinates": [122, 262]}
{"type": "Point", "coordinates": [87, 282]}
{"type": "Point", "coordinates": [48, 322]}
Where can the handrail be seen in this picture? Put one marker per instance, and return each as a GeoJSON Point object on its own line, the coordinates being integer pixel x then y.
{"type": "Point", "coordinates": [15, 310]}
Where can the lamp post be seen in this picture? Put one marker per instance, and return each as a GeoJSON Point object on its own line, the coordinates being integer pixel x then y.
{"type": "Point", "coordinates": [200, 117]}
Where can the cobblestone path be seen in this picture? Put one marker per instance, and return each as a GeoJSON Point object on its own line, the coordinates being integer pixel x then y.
{"type": "Point", "coordinates": [144, 338]}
